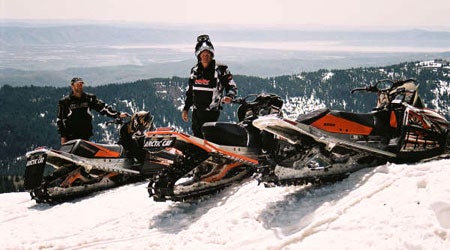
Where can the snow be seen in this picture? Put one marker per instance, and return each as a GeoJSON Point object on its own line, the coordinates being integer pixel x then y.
{"type": "Point", "coordinates": [327, 76]}
{"type": "Point", "coordinates": [295, 106]}
{"type": "Point", "coordinates": [387, 207]}
{"type": "Point", "coordinates": [441, 93]}
{"type": "Point", "coordinates": [430, 64]}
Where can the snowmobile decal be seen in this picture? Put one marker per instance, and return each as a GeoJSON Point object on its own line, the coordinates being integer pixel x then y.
{"type": "Point", "coordinates": [36, 161]}
{"type": "Point", "coordinates": [34, 170]}
{"type": "Point", "coordinates": [336, 124]}
{"type": "Point", "coordinates": [220, 173]}
{"type": "Point", "coordinates": [163, 142]}
{"type": "Point", "coordinates": [201, 143]}
{"type": "Point", "coordinates": [151, 136]}
{"type": "Point", "coordinates": [104, 152]}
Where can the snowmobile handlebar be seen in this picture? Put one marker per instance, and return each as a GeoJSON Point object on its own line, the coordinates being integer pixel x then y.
{"type": "Point", "coordinates": [366, 89]}
{"type": "Point", "coordinates": [119, 120]}
{"type": "Point", "coordinates": [373, 88]}
{"type": "Point", "coordinates": [242, 100]}
{"type": "Point", "coordinates": [238, 100]}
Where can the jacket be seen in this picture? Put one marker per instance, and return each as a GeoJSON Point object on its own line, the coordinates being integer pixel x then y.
{"type": "Point", "coordinates": [206, 86]}
{"type": "Point", "coordinates": [74, 118]}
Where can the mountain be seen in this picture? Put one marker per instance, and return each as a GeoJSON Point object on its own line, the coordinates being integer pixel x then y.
{"type": "Point", "coordinates": [387, 207]}
{"type": "Point", "coordinates": [23, 33]}
{"type": "Point", "coordinates": [49, 54]}
{"type": "Point", "coordinates": [28, 114]}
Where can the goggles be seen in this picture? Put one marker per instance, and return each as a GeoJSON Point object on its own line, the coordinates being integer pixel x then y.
{"type": "Point", "coordinates": [202, 38]}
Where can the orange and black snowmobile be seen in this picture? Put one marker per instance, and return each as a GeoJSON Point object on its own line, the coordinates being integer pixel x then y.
{"type": "Point", "coordinates": [82, 167]}
{"type": "Point", "coordinates": [326, 145]}
{"type": "Point", "coordinates": [227, 154]}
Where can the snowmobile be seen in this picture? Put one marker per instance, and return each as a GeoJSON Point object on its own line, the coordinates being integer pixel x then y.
{"type": "Point", "coordinates": [327, 145]}
{"type": "Point", "coordinates": [82, 167]}
{"type": "Point", "coordinates": [227, 154]}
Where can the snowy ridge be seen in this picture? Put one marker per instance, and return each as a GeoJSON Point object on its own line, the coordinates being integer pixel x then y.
{"type": "Point", "coordinates": [387, 207]}
{"type": "Point", "coordinates": [295, 106]}
{"type": "Point", "coordinates": [441, 92]}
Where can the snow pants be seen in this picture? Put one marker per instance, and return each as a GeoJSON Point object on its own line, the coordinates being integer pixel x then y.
{"type": "Point", "coordinates": [199, 117]}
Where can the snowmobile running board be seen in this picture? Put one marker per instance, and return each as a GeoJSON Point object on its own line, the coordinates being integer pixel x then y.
{"type": "Point", "coordinates": [79, 161]}
{"type": "Point", "coordinates": [270, 123]}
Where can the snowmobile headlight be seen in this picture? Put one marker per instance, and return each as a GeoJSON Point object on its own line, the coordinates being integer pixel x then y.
{"type": "Point", "coordinates": [274, 110]}
{"type": "Point", "coordinates": [399, 98]}
{"type": "Point", "coordinates": [249, 113]}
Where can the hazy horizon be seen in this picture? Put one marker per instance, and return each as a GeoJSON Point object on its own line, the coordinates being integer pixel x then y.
{"type": "Point", "coordinates": [265, 13]}
{"type": "Point", "coordinates": [40, 51]}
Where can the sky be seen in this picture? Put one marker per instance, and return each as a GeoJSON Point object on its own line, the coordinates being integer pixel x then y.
{"type": "Point", "coordinates": [387, 207]}
{"type": "Point", "coordinates": [374, 13]}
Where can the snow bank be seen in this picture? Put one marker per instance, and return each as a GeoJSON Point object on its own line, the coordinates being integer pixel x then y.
{"type": "Point", "coordinates": [388, 207]}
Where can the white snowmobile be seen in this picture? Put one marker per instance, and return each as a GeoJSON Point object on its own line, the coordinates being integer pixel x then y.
{"type": "Point", "coordinates": [327, 145]}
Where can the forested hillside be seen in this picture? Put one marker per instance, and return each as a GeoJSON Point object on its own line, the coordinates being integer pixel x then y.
{"type": "Point", "coordinates": [28, 114]}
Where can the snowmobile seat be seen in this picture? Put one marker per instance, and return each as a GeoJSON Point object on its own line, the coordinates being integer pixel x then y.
{"type": "Point", "coordinates": [378, 121]}
{"type": "Point", "coordinates": [365, 119]}
{"type": "Point", "coordinates": [224, 133]}
{"type": "Point", "coordinates": [311, 117]}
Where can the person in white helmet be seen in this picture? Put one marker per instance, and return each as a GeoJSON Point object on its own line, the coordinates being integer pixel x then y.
{"type": "Point", "coordinates": [210, 85]}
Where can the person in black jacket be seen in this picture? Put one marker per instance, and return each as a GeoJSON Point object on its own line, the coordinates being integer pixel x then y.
{"type": "Point", "coordinates": [74, 118]}
{"type": "Point", "coordinates": [207, 83]}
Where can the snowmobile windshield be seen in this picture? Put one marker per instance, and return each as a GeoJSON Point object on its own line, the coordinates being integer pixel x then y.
{"type": "Point", "coordinates": [264, 104]}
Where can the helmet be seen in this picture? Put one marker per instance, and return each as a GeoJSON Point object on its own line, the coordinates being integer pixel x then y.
{"type": "Point", "coordinates": [203, 43]}
{"type": "Point", "coordinates": [141, 121]}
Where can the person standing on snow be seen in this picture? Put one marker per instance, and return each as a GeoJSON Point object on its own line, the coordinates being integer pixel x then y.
{"type": "Point", "coordinates": [207, 83]}
{"type": "Point", "coordinates": [74, 118]}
